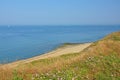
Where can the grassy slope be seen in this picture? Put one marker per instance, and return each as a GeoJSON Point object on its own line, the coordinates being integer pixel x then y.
{"type": "Point", "coordinates": [100, 61]}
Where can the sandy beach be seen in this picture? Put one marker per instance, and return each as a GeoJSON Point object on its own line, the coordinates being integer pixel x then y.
{"type": "Point", "coordinates": [66, 49]}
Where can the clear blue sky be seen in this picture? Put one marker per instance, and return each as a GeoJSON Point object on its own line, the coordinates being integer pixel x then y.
{"type": "Point", "coordinates": [59, 12]}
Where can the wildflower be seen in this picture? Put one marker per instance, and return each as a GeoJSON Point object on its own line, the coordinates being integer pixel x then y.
{"type": "Point", "coordinates": [54, 75]}
{"type": "Point", "coordinates": [47, 74]}
{"type": "Point", "coordinates": [73, 78]}
{"type": "Point", "coordinates": [112, 75]}
{"type": "Point", "coordinates": [33, 78]}
{"type": "Point", "coordinates": [36, 75]}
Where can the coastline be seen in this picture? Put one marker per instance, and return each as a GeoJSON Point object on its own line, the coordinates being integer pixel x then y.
{"type": "Point", "coordinates": [66, 48]}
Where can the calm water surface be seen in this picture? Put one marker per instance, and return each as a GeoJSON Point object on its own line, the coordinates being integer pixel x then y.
{"type": "Point", "coordinates": [20, 42]}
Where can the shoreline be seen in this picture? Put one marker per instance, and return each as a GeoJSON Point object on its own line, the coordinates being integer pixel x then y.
{"type": "Point", "coordinates": [65, 48]}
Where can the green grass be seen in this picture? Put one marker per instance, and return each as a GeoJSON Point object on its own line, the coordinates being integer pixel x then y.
{"type": "Point", "coordinates": [114, 36]}
{"type": "Point", "coordinates": [98, 68]}
{"type": "Point", "coordinates": [117, 38]}
{"type": "Point", "coordinates": [16, 76]}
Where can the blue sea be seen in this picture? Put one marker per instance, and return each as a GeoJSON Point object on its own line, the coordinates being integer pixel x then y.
{"type": "Point", "coordinates": [21, 42]}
